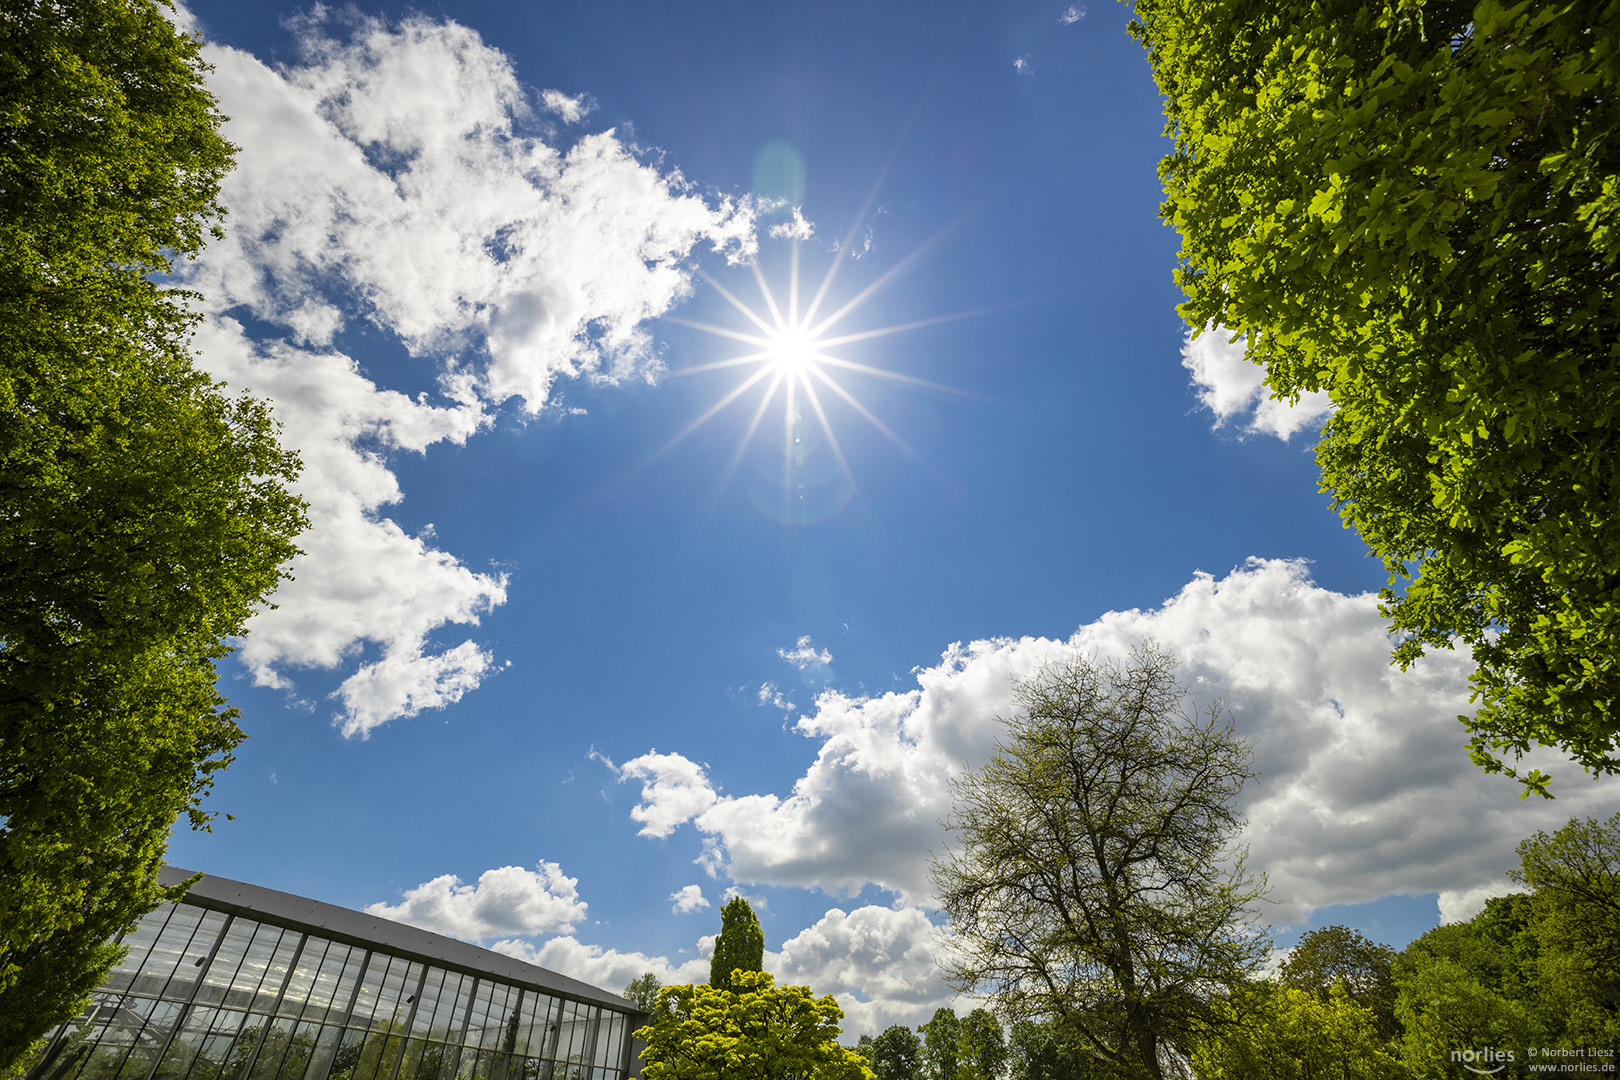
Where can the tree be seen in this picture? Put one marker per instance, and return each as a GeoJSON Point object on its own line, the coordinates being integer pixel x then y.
{"type": "Point", "coordinates": [1339, 956]}
{"type": "Point", "coordinates": [941, 1045]}
{"type": "Point", "coordinates": [754, 1030]}
{"type": "Point", "coordinates": [1284, 1033]}
{"type": "Point", "coordinates": [1410, 204]}
{"type": "Point", "coordinates": [895, 1054]}
{"type": "Point", "coordinates": [981, 1047]}
{"type": "Point", "coordinates": [144, 515]}
{"type": "Point", "coordinates": [1093, 882]}
{"type": "Point", "coordinates": [740, 946]}
{"type": "Point", "coordinates": [1038, 1051]}
{"type": "Point", "coordinates": [642, 991]}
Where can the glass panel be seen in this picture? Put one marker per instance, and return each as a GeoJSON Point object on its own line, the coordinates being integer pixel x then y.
{"type": "Point", "coordinates": [276, 971]}
{"type": "Point", "coordinates": [300, 1052]}
{"type": "Point", "coordinates": [365, 1001]}
{"type": "Point", "coordinates": [334, 984]}
{"type": "Point", "coordinates": [427, 1002]}
{"type": "Point", "coordinates": [140, 942]}
{"type": "Point", "coordinates": [326, 1045]}
{"type": "Point", "coordinates": [160, 1018]}
{"type": "Point", "coordinates": [392, 1006]}
{"type": "Point", "coordinates": [215, 1050]}
{"type": "Point", "coordinates": [278, 1042]}
{"type": "Point", "coordinates": [538, 1013]}
{"type": "Point", "coordinates": [167, 949]}
{"type": "Point", "coordinates": [304, 976]}
{"type": "Point", "coordinates": [377, 1055]}
{"type": "Point", "coordinates": [345, 1063]}
{"type": "Point", "coordinates": [227, 959]}
{"type": "Point", "coordinates": [188, 968]}
{"type": "Point", "coordinates": [607, 1041]}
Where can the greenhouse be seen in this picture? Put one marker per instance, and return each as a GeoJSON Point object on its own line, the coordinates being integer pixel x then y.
{"type": "Point", "coordinates": [238, 982]}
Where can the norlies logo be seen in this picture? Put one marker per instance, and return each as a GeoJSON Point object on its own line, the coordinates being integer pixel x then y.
{"type": "Point", "coordinates": [1475, 1060]}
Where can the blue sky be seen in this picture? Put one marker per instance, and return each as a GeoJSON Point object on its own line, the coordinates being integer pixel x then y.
{"type": "Point", "coordinates": [561, 666]}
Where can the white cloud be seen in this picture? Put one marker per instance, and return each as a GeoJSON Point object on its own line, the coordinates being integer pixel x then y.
{"type": "Point", "coordinates": [1230, 386]}
{"type": "Point", "coordinates": [797, 229]}
{"type": "Point", "coordinates": [607, 968]}
{"type": "Point", "coordinates": [768, 694]}
{"type": "Point", "coordinates": [1073, 14]}
{"type": "Point", "coordinates": [508, 900]}
{"type": "Point", "coordinates": [1365, 788]}
{"type": "Point", "coordinates": [805, 655]}
{"type": "Point", "coordinates": [571, 109]}
{"type": "Point", "coordinates": [1021, 64]}
{"type": "Point", "coordinates": [877, 961]}
{"type": "Point", "coordinates": [392, 178]}
{"type": "Point", "coordinates": [673, 790]}
{"type": "Point", "coordinates": [688, 899]}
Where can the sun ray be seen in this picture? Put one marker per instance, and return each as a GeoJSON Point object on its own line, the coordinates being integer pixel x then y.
{"type": "Point", "coordinates": [871, 417]}
{"type": "Point", "coordinates": [736, 392]}
{"type": "Point", "coordinates": [832, 440]}
{"type": "Point", "coordinates": [716, 365]}
{"type": "Point", "coordinates": [747, 311]}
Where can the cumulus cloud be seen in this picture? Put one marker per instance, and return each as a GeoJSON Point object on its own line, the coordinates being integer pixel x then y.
{"type": "Point", "coordinates": [607, 968]}
{"type": "Point", "coordinates": [391, 178]}
{"type": "Point", "coordinates": [571, 109]}
{"type": "Point", "coordinates": [1233, 388]}
{"type": "Point", "coordinates": [507, 900]}
{"type": "Point", "coordinates": [1365, 789]}
{"type": "Point", "coordinates": [877, 961]}
{"type": "Point", "coordinates": [688, 899]}
{"type": "Point", "coordinates": [673, 790]}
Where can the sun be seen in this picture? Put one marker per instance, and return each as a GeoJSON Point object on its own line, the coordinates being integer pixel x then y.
{"type": "Point", "coordinates": [793, 358]}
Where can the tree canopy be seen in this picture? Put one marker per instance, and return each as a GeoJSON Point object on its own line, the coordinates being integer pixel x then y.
{"type": "Point", "coordinates": [1412, 205]}
{"type": "Point", "coordinates": [740, 946]}
{"type": "Point", "coordinates": [1092, 880]}
{"type": "Point", "coordinates": [143, 513]}
{"type": "Point", "coordinates": [754, 1030]}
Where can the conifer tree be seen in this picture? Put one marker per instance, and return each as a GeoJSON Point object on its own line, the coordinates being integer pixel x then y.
{"type": "Point", "coordinates": [740, 946]}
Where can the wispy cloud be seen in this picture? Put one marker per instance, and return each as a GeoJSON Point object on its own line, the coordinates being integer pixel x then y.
{"type": "Point", "coordinates": [805, 655]}
{"type": "Point", "coordinates": [795, 229]}
{"type": "Point", "coordinates": [1072, 14]}
{"type": "Point", "coordinates": [571, 109]}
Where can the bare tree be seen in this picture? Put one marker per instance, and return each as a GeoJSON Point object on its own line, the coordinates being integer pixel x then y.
{"type": "Point", "coordinates": [1093, 881]}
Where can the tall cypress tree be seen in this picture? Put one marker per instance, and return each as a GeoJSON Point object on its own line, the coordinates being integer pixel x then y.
{"type": "Point", "coordinates": [740, 946]}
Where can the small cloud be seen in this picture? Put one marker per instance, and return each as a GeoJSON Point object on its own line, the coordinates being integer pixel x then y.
{"type": "Point", "coordinates": [688, 900]}
{"type": "Point", "coordinates": [1021, 64]}
{"type": "Point", "coordinates": [571, 109]}
{"type": "Point", "coordinates": [1074, 14]}
{"type": "Point", "coordinates": [805, 655]}
{"type": "Point", "coordinates": [274, 779]}
{"type": "Point", "coordinates": [797, 229]}
{"type": "Point", "coordinates": [768, 694]}
{"type": "Point", "coordinates": [755, 902]}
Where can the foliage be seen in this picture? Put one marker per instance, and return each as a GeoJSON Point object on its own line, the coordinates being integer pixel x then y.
{"type": "Point", "coordinates": [895, 1054]}
{"type": "Point", "coordinates": [1576, 877]}
{"type": "Point", "coordinates": [753, 1031]}
{"type": "Point", "coordinates": [941, 1045]}
{"type": "Point", "coordinates": [1339, 956]}
{"type": "Point", "coordinates": [143, 514]}
{"type": "Point", "coordinates": [1038, 1051]}
{"type": "Point", "coordinates": [740, 946]}
{"type": "Point", "coordinates": [642, 991]}
{"type": "Point", "coordinates": [1414, 205]}
{"type": "Point", "coordinates": [1093, 883]}
{"type": "Point", "coordinates": [1268, 1032]}
{"type": "Point", "coordinates": [981, 1047]}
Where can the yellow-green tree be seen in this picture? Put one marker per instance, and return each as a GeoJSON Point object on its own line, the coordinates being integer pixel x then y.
{"type": "Point", "coordinates": [1266, 1032]}
{"type": "Point", "coordinates": [754, 1031]}
{"type": "Point", "coordinates": [143, 513]}
{"type": "Point", "coordinates": [1413, 205]}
